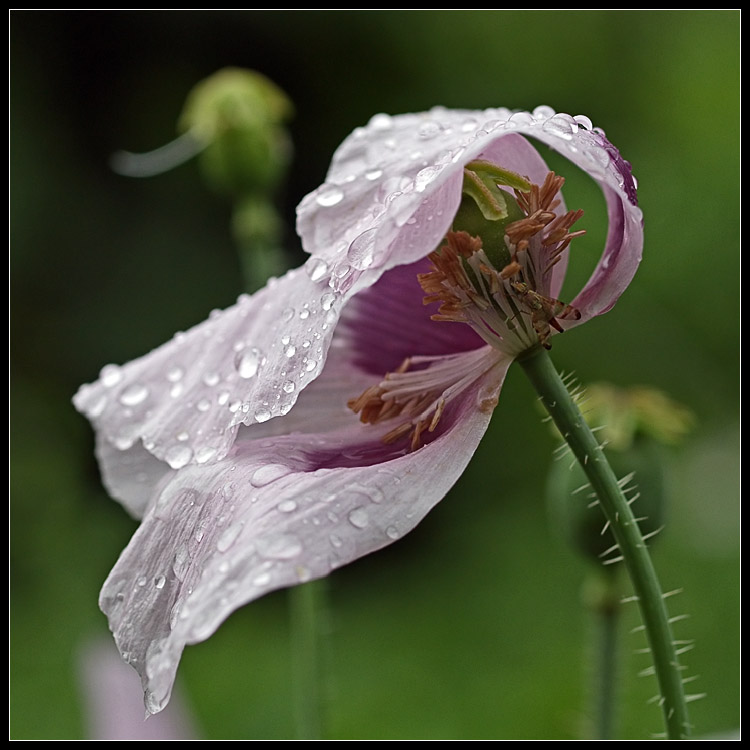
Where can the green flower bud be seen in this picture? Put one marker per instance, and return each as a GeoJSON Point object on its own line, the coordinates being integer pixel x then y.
{"type": "Point", "coordinates": [240, 116]}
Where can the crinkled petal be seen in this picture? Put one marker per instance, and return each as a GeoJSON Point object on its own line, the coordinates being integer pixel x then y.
{"type": "Point", "coordinates": [275, 512]}
{"type": "Point", "coordinates": [244, 365]}
{"type": "Point", "coordinates": [394, 187]}
{"type": "Point", "coordinates": [131, 475]}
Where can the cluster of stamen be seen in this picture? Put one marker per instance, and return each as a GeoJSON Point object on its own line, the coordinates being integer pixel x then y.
{"type": "Point", "coordinates": [418, 391]}
{"type": "Point", "coordinates": [503, 305]}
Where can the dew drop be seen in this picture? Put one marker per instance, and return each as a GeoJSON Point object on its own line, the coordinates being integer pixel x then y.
{"type": "Point", "coordinates": [133, 395]}
{"type": "Point", "coordinates": [211, 379]}
{"type": "Point", "coordinates": [223, 398]}
{"type": "Point", "coordinates": [176, 390]}
{"type": "Point", "coordinates": [304, 313]}
{"type": "Point", "coordinates": [261, 579]}
{"type": "Point", "coordinates": [97, 408]}
{"type": "Point", "coordinates": [181, 562]}
{"type": "Point", "coordinates": [381, 122]}
{"type": "Point", "coordinates": [329, 195]}
{"type": "Point", "coordinates": [288, 386]}
{"type": "Point", "coordinates": [183, 436]}
{"type": "Point", "coordinates": [287, 506]}
{"type": "Point", "coordinates": [425, 177]}
{"type": "Point", "coordinates": [203, 405]}
{"type": "Point", "coordinates": [429, 129]}
{"type": "Point", "coordinates": [247, 362]}
{"type": "Point", "coordinates": [142, 582]}
{"type": "Point", "coordinates": [290, 351]}
{"type": "Point", "coordinates": [110, 375]}
{"type": "Point", "coordinates": [373, 174]}
{"type": "Point", "coordinates": [359, 518]}
{"type": "Point", "coordinates": [287, 314]}
{"type": "Point", "coordinates": [316, 268]}
{"type": "Point", "coordinates": [327, 300]}
{"type": "Point", "coordinates": [204, 454]}
{"type": "Point", "coordinates": [361, 252]}
{"type": "Point", "coordinates": [262, 415]}
{"type": "Point", "coordinates": [228, 537]}
{"type": "Point", "coordinates": [159, 582]}
{"type": "Point", "coordinates": [174, 374]}
{"type": "Point", "coordinates": [178, 456]}
{"type": "Point", "coordinates": [268, 473]}
{"type": "Point", "coordinates": [392, 532]}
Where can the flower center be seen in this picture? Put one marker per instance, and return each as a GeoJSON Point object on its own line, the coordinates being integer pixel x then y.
{"type": "Point", "coordinates": [495, 277]}
{"type": "Point", "coordinates": [506, 303]}
{"type": "Point", "coordinates": [418, 392]}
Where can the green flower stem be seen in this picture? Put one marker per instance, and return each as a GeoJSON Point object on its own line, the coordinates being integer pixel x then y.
{"type": "Point", "coordinates": [565, 413]}
{"type": "Point", "coordinates": [603, 600]}
{"type": "Point", "coordinates": [307, 610]}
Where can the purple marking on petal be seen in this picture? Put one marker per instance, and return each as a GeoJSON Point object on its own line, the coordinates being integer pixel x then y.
{"type": "Point", "coordinates": [621, 166]}
{"type": "Point", "coordinates": [219, 536]}
{"type": "Point", "coordinates": [389, 322]}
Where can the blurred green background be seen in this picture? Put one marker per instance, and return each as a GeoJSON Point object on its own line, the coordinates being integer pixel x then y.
{"type": "Point", "coordinates": [472, 627]}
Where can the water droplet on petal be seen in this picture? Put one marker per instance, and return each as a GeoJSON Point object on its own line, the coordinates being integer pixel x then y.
{"type": "Point", "coordinates": [392, 532]}
{"type": "Point", "coordinates": [316, 268]}
{"type": "Point", "coordinates": [247, 362]}
{"type": "Point", "coordinates": [110, 375]}
{"type": "Point", "coordinates": [133, 395]}
{"type": "Point", "coordinates": [262, 415]}
{"type": "Point", "coordinates": [174, 374]}
{"type": "Point", "coordinates": [287, 506]}
{"type": "Point", "coordinates": [288, 386]}
{"type": "Point", "coordinates": [204, 453]}
{"type": "Point", "coordinates": [211, 378]}
{"type": "Point", "coordinates": [329, 195]}
{"type": "Point", "coordinates": [269, 473]}
{"type": "Point", "coordinates": [425, 177]}
{"type": "Point", "coordinates": [178, 456]}
{"type": "Point", "coordinates": [159, 582]}
{"type": "Point", "coordinates": [429, 129]}
{"type": "Point", "coordinates": [373, 174]}
{"type": "Point", "coordinates": [228, 537]}
{"type": "Point", "coordinates": [203, 405]}
{"type": "Point", "coordinates": [97, 408]}
{"type": "Point", "coordinates": [381, 122]}
{"type": "Point", "coordinates": [261, 579]}
{"type": "Point", "coordinates": [361, 251]}
{"type": "Point", "coordinates": [359, 518]}
{"type": "Point", "coordinates": [327, 300]}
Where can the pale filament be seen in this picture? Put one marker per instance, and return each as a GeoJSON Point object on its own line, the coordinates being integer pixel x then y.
{"type": "Point", "coordinates": [420, 396]}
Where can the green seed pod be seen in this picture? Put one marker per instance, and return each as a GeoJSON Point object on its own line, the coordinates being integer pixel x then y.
{"type": "Point", "coordinates": [471, 219]}
{"type": "Point", "coordinates": [240, 115]}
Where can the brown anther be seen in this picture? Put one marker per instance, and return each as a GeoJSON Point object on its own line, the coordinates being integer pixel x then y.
{"type": "Point", "coordinates": [510, 270]}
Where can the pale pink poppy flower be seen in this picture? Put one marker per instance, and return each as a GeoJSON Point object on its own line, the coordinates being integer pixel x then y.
{"type": "Point", "coordinates": [236, 442]}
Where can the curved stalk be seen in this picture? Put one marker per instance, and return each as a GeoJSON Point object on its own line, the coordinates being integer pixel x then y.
{"type": "Point", "coordinates": [565, 413]}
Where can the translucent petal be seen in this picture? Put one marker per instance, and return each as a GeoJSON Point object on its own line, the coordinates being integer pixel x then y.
{"type": "Point", "coordinates": [275, 512]}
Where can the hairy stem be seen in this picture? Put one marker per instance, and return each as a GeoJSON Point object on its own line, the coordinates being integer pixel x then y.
{"type": "Point", "coordinates": [569, 420]}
